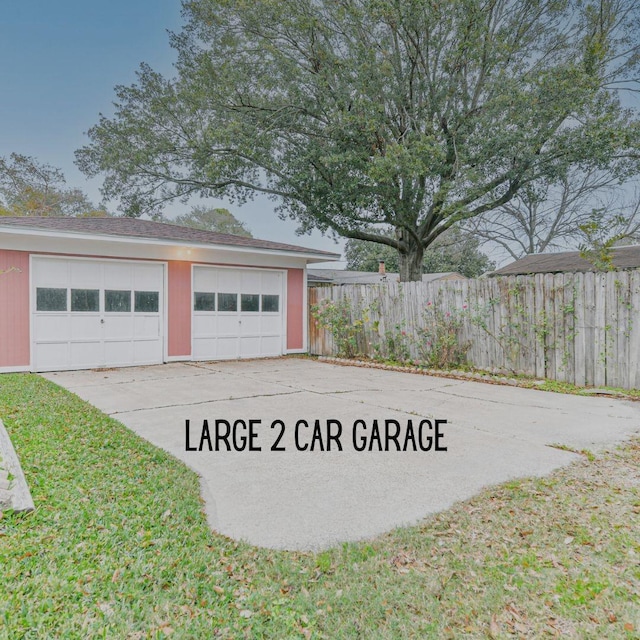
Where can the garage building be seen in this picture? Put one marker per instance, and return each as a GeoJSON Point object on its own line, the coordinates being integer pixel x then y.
{"type": "Point", "coordinates": [78, 293]}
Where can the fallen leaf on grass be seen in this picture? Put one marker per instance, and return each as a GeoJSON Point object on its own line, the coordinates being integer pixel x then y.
{"type": "Point", "coordinates": [494, 627]}
{"type": "Point", "coordinates": [166, 629]}
{"type": "Point", "coordinates": [515, 613]}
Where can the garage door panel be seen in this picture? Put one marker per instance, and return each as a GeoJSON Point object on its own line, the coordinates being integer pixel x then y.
{"type": "Point", "coordinates": [118, 327]}
{"type": "Point", "coordinates": [229, 280]}
{"type": "Point", "coordinates": [227, 325]}
{"type": "Point", "coordinates": [118, 353]}
{"type": "Point", "coordinates": [113, 336]}
{"type": "Point", "coordinates": [250, 325]}
{"type": "Point", "coordinates": [118, 276]}
{"type": "Point", "coordinates": [86, 354]}
{"type": "Point", "coordinates": [146, 277]}
{"type": "Point", "coordinates": [271, 283]}
{"type": "Point", "coordinates": [146, 327]}
{"type": "Point", "coordinates": [50, 273]}
{"type": "Point", "coordinates": [51, 356]}
{"type": "Point", "coordinates": [227, 347]}
{"type": "Point", "coordinates": [251, 282]}
{"type": "Point", "coordinates": [271, 325]}
{"type": "Point", "coordinates": [271, 345]}
{"type": "Point", "coordinates": [205, 280]}
{"type": "Point", "coordinates": [204, 326]}
{"type": "Point", "coordinates": [250, 347]}
{"type": "Point", "coordinates": [52, 328]}
{"type": "Point", "coordinates": [85, 327]}
{"type": "Point", "coordinates": [144, 352]}
{"type": "Point", "coordinates": [85, 275]}
{"type": "Point", "coordinates": [205, 348]}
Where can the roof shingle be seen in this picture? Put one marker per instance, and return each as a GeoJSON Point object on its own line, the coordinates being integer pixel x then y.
{"type": "Point", "coordinates": [569, 261]}
{"type": "Point", "coordinates": [136, 228]}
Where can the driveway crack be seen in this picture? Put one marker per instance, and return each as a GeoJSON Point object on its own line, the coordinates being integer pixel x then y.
{"type": "Point", "coordinates": [210, 401]}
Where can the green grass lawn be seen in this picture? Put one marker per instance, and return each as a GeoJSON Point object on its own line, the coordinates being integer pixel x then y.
{"type": "Point", "coordinates": [118, 547]}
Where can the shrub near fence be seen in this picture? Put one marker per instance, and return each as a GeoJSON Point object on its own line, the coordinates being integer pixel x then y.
{"type": "Point", "coordinates": [582, 328]}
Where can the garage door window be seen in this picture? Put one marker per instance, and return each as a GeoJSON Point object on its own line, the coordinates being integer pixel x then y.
{"type": "Point", "coordinates": [48, 299]}
{"type": "Point", "coordinates": [227, 302]}
{"type": "Point", "coordinates": [203, 301]}
{"type": "Point", "coordinates": [147, 301]}
{"type": "Point", "coordinates": [117, 301]}
{"type": "Point", "coordinates": [85, 300]}
{"type": "Point", "coordinates": [250, 302]}
{"type": "Point", "coordinates": [270, 304]}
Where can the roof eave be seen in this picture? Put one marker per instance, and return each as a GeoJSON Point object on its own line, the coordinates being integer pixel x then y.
{"type": "Point", "coordinates": [311, 256]}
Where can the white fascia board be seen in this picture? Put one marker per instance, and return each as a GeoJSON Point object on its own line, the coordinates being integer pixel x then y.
{"type": "Point", "coordinates": [49, 241]}
{"type": "Point", "coordinates": [130, 240]}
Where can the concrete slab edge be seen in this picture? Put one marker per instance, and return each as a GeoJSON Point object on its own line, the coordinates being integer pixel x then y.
{"type": "Point", "coordinates": [492, 377]}
{"type": "Point", "coordinates": [21, 499]}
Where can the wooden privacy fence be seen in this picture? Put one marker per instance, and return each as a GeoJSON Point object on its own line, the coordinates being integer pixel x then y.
{"type": "Point", "coordinates": [582, 328]}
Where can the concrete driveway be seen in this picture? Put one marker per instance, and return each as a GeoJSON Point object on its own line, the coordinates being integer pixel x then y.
{"type": "Point", "coordinates": [308, 500]}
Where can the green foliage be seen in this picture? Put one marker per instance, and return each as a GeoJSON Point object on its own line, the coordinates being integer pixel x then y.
{"type": "Point", "coordinates": [213, 219]}
{"type": "Point", "coordinates": [336, 317]}
{"type": "Point", "coordinates": [601, 235]}
{"type": "Point", "coordinates": [29, 188]}
{"type": "Point", "coordinates": [456, 250]}
{"type": "Point", "coordinates": [440, 342]}
{"type": "Point", "coordinates": [395, 345]}
{"type": "Point", "coordinates": [360, 116]}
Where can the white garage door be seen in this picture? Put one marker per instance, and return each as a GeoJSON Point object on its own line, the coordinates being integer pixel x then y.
{"type": "Point", "coordinates": [237, 313]}
{"type": "Point", "coordinates": [96, 313]}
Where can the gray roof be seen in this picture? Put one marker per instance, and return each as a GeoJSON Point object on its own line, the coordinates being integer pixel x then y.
{"type": "Point", "coordinates": [341, 276]}
{"type": "Point", "coordinates": [136, 228]}
{"type": "Point", "coordinates": [569, 261]}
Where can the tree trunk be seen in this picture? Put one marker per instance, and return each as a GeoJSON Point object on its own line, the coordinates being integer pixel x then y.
{"type": "Point", "coordinates": [411, 263]}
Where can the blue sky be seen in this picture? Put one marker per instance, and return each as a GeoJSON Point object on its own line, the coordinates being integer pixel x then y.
{"type": "Point", "coordinates": [59, 63]}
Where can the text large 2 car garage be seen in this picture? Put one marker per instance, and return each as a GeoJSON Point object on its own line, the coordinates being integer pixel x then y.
{"type": "Point", "coordinates": [104, 292]}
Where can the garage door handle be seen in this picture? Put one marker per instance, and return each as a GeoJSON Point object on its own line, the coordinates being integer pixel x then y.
{"type": "Point", "coordinates": [101, 320]}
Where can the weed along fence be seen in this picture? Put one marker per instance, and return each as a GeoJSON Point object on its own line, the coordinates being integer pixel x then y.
{"type": "Point", "coordinates": [582, 328]}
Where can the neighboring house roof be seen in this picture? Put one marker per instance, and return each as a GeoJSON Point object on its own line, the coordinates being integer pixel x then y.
{"type": "Point", "coordinates": [146, 229]}
{"type": "Point", "coordinates": [569, 261]}
{"type": "Point", "coordinates": [314, 279]}
{"type": "Point", "coordinates": [340, 276]}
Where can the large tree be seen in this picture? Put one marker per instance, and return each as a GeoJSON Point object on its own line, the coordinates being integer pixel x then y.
{"type": "Point", "coordinates": [360, 115]}
{"type": "Point", "coordinates": [31, 188]}
{"type": "Point", "coordinates": [455, 250]}
{"type": "Point", "coordinates": [213, 219]}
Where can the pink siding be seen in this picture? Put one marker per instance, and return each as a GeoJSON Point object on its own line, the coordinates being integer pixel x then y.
{"type": "Point", "coordinates": [295, 311]}
{"type": "Point", "coordinates": [14, 309]}
{"type": "Point", "coordinates": [179, 309]}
